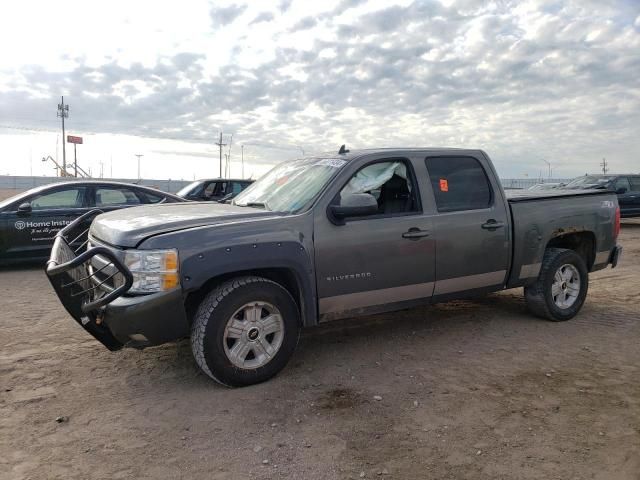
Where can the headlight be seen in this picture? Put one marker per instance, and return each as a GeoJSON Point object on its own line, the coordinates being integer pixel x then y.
{"type": "Point", "coordinates": [153, 270]}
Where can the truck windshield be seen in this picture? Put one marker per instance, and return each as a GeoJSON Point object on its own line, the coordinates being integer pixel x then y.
{"type": "Point", "coordinates": [290, 186]}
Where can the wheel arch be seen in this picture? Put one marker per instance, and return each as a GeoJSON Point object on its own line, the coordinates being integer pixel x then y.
{"type": "Point", "coordinates": [583, 243]}
{"type": "Point", "coordinates": [284, 276]}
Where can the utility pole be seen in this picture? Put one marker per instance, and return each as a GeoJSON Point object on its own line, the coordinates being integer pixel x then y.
{"type": "Point", "coordinates": [604, 164]}
{"type": "Point", "coordinates": [63, 112]}
{"type": "Point", "coordinates": [229, 157]}
{"type": "Point", "coordinates": [139, 155]}
{"type": "Point", "coordinates": [549, 165]}
{"type": "Point", "coordinates": [220, 144]}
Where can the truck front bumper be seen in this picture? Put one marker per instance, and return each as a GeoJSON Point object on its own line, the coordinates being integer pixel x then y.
{"type": "Point", "coordinates": [113, 319]}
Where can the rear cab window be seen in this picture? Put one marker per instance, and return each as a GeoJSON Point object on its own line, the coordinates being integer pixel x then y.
{"type": "Point", "coordinates": [459, 183]}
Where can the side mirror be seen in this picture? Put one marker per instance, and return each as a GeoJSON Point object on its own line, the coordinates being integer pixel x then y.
{"type": "Point", "coordinates": [24, 207]}
{"type": "Point", "coordinates": [621, 190]}
{"type": "Point", "coordinates": [354, 205]}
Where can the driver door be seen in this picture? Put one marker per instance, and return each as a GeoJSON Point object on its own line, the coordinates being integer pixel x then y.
{"type": "Point", "coordinates": [379, 261]}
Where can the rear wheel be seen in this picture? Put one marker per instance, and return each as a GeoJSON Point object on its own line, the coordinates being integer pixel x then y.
{"type": "Point", "coordinates": [245, 331]}
{"type": "Point", "coordinates": [561, 287]}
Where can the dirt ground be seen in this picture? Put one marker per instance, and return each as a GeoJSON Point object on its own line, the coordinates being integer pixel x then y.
{"type": "Point", "coordinates": [469, 390]}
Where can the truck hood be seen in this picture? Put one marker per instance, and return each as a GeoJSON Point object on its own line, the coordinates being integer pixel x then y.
{"type": "Point", "coordinates": [130, 226]}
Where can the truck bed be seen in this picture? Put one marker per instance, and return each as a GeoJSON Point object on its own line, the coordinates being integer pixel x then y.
{"type": "Point", "coordinates": [537, 217]}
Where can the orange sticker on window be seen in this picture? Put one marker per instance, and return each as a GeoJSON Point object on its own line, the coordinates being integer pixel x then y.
{"type": "Point", "coordinates": [444, 185]}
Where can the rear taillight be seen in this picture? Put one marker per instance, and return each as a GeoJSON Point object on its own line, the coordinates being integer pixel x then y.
{"type": "Point", "coordinates": [616, 228]}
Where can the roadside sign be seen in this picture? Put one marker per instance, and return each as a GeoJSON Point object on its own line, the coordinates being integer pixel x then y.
{"type": "Point", "coordinates": [72, 139]}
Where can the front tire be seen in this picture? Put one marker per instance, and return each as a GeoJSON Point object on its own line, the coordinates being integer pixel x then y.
{"type": "Point", "coordinates": [245, 331]}
{"type": "Point", "coordinates": [561, 288]}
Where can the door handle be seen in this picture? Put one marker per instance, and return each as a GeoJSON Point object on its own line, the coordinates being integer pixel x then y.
{"type": "Point", "coordinates": [492, 225]}
{"type": "Point", "coordinates": [415, 233]}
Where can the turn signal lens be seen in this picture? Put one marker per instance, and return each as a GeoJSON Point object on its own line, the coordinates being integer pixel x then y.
{"type": "Point", "coordinates": [616, 228]}
{"type": "Point", "coordinates": [169, 281]}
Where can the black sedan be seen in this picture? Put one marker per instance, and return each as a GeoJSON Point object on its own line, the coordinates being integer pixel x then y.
{"type": "Point", "coordinates": [30, 220]}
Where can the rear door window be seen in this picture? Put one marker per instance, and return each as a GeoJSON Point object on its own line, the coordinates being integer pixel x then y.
{"type": "Point", "coordinates": [622, 183]}
{"type": "Point", "coordinates": [106, 197]}
{"type": "Point", "coordinates": [237, 187]}
{"type": "Point", "coordinates": [459, 183]}
{"type": "Point", "coordinates": [635, 184]}
{"type": "Point", "coordinates": [152, 198]}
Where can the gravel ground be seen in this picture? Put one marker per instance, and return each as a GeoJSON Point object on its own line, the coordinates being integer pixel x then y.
{"type": "Point", "coordinates": [463, 390]}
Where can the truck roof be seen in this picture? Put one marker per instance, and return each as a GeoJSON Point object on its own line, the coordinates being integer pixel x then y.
{"type": "Point", "coordinates": [353, 154]}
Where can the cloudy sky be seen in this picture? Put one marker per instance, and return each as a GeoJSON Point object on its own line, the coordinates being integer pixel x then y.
{"type": "Point", "coordinates": [527, 81]}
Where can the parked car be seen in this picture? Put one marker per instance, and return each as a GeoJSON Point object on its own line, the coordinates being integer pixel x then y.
{"type": "Point", "coordinates": [215, 189]}
{"type": "Point", "coordinates": [324, 238]}
{"type": "Point", "coordinates": [627, 187]}
{"type": "Point", "coordinates": [30, 220]}
{"type": "Point", "coordinates": [546, 186]}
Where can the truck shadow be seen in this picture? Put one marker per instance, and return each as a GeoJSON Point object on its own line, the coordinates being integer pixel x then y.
{"type": "Point", "coordinates": [320, 345]}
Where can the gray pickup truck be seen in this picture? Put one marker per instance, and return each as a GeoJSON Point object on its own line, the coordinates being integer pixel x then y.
{"type": "Point", "coordinates": [323, 238]}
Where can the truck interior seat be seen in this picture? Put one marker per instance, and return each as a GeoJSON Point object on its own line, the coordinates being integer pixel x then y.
{"type": "Point", "coordinates": [395, 196]}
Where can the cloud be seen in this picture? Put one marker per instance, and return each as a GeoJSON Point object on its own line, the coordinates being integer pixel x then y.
{"type": "Point", "coordinates": [285, 5]}
{"type": "Point", "coordinates": [305, 24]}
{"type": "Point", "coordinates": [524, 81]}
{"type": "Point", "coordinates": [262, 17]}
{"type": "Point", "coordinates": [221, 16]}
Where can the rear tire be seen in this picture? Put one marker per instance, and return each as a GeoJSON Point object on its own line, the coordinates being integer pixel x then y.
{"type": "Point", "coordinates": [561, 288]}
{"type": "Point", "coordinates": [245, 331]}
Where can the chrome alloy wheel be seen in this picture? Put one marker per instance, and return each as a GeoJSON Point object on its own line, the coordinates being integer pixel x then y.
{"type": "Point", "coordinates": [566, 286]}
{"type": "Point", "coordinates": [253, 335]}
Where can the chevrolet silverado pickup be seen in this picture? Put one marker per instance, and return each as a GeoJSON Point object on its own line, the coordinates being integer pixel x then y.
{"type": "Point", "coordinates": [321, 238]}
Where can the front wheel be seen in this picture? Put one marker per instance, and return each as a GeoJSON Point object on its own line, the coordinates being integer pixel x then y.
{"type": "Point", "coordinates": [561, 288]}
{"type": "Point", "coordinates": [245, 331]}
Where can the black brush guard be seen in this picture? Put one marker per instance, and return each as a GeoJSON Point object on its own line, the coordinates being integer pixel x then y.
{"type": "Point", "coordinates": [81, 291]}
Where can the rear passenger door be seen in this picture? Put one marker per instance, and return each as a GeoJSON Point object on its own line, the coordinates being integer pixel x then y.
{"type": "Point", "coordinates": [471, 228]}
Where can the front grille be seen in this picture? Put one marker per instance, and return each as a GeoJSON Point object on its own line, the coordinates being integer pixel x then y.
{"type": "Point", "coordinates": [103, 273]}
